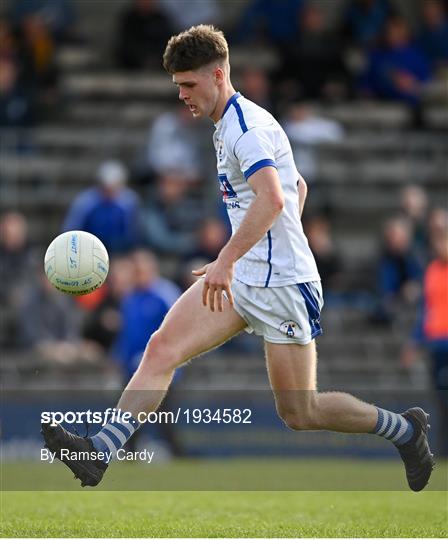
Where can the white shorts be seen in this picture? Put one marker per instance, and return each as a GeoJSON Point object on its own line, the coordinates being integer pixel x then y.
{"type": "Point", "coordinates": [289, 314]}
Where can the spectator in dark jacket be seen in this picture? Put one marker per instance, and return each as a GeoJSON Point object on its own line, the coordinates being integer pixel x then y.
{"type": "Point", "coordinates": [399, 269]}
{"type": "Point", "coordinates": [17, 103]}
{"type": "Point", "coordinates": [364, 21]}
{"type": "Point", "coordinates": [16, 257]}
{"type": "Point", "coordinates": [433, 37]}
{"type": "Point", "coordinates": [144, 30]}
{"type": "Point", "coordinates": [110, 210]}
{"type": "Point", "coordinates": [173, 215]}
{"type": "Point", "coordinates": [314, 59]}
{"type": "Point", "coordinates": [276, 21]}
{"type": "Point", "coordinates": [398, 70]}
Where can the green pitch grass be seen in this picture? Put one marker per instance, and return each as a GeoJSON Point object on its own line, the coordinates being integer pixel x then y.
{"type": "Point", "coordinates": [223, 513]}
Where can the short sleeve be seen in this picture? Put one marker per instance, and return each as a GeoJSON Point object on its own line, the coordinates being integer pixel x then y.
{"type": "Point", "coordinates": [255, 150]}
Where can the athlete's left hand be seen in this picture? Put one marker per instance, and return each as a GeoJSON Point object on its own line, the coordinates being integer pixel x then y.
{"type": "Point", "coordinates": [218, 279]}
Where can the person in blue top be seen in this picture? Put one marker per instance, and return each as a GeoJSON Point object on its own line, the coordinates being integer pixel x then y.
{"type": "Point", "coordinates": [364, 20]}
{"type": "Point", "coordinates": [399, 270]}
{"type": "Point", "coordinates": [274, 20]}
{"type": "Point", "coordinates": [109, 210]}
{"type": "Point", "coordinates": [398, 70]}
{"type": "Point", "coordinates": [142, 310]}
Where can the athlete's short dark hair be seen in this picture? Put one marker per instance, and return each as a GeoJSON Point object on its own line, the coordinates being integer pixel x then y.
{"type": "Point", "coordinates": [195, 48]}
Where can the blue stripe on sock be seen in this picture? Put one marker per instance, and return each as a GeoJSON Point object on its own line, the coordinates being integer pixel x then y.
{"type": "Point", "coordinates": [396, 428]}
{"type": "Point", "coordinates": [407, 435]}
{"type": "Point", "coordinates": [401, 421]}
{"type": "Point", "coordinates": [115, 440]}
{"type": "Point", "coordinates": [388, 422]}
{"type": "Point", "coordinates": [125, 430]}
{"type": "Point", "coordinates": [379, 422]}
{"type": "Point", "coordinates": [99, 444]}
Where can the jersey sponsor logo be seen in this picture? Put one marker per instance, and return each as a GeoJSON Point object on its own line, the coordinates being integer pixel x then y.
{"type": "Point", "coordinates": [290, 328]}
{"type": "Point", "coordinates": [232, 204]}
{"type": "Point", "coordinates": [227, 190]}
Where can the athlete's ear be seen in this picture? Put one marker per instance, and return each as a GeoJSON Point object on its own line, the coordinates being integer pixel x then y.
{"type": "Point", "coordinates": [219, 75]}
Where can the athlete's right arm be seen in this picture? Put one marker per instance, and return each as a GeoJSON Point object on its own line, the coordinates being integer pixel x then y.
{"type": "Point", "coordinates": [261, 214]}
{"type": "Point", "coordinates": [303, 191]}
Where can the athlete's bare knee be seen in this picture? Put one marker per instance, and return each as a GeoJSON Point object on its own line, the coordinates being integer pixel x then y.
{"type": "Point", "coordinates": [301, 417]}
{"type": "Point", "coordinates": [161, 355]}
{"type": "Point", "coordinates": [300, 420]}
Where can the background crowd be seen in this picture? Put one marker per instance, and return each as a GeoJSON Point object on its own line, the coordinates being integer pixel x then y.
{"type": "Point", "coordinates": [156, 213]}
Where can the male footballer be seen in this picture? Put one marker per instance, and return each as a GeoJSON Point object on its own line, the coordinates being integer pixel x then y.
{"type": "Point", "coordinates": [264, 280]}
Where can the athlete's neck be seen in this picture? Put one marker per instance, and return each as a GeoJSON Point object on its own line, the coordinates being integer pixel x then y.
{"type": "Point", "coordinates": [226, 94]}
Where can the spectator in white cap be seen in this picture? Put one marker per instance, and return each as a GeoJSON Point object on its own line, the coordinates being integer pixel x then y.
{"type": "Point", "coordinates": [110, 210]}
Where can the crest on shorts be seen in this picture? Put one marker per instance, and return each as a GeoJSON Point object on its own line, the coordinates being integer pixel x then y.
{"type": "Point", "coordinates": [290, 328]}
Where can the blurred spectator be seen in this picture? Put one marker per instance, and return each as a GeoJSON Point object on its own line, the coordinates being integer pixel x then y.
{"type": "Point", "coordinates": [38, 56]}
{"type": "Point", "coordinates": [306, 130]}
{"type": "Point", "coordinates": [143, 32]}
{"type": "Point", "coordinates": [17, 273]}
{"type": "Point", "coordinates": [174, 139]}
{"type": "Point", "coordinates": [173, 215]}
{"type": "Point", "coordinates": [431, 331]}
{"type": "Point", "coordinates": [17, 101]}
{"type": "Point", "coordinates": [142, 311]}
{"type": "Point", "coordinates": [399, 269]}
{"type": "Point", "coordinates": [255, 85]}
{"type": "Point", "coordinates": [327, 257]}
{"type": "Point", "coordinates": [111, 211]}
{"type": "Point", "coordinates": [16, 256]}
{"type": "Point", "coordinates": [398, 70]}
{"type": "Point", "coordinates": [437, 222]}
{"type": "Point", "coordinates": [185, 277]}
{"type": "Point", "coordinates": [433, 37]}
{"type": "Point", "coordinates": [313, 60]}
{"type": "Point", "coordinates": [364, 21]}
{"type": "Point", "coordinates": [276, 21]}
{"type": "Point", "coordinates": [58, 15]}
{"type": "Point", "coordinates": [198, 12]}
{"type": "Point", "coordinates": [145, 261]}
{"type": "Point", "coordinates": [8, 40]}
{"type": "Point", "coordinates": [212, 236]}
{"type": "Point", "coordinates": [50, 325]}
{"type": "Point", "coordinates": [414, 203]}
{"type": "Point", "coordinates": [103, 322]}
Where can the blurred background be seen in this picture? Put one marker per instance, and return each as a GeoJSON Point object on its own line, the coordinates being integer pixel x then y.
{"type": "Point", "coordinates": [93, 137]}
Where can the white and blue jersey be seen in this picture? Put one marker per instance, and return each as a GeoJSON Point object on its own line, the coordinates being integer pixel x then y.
{"type": "Point", "coordinates": [248, 138]}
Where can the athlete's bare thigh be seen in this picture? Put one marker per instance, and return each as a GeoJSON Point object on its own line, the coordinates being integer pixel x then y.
{"type": "Point", "coordinates": [292, 374]}
{"type": "Point", "coordinates": [194, 328]}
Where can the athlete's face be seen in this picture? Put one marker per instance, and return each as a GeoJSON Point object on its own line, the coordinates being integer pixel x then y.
{"type": "Point", "coordinates": [199, 90]}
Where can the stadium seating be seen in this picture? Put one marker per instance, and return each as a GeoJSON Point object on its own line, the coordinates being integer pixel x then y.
{"type": "Point", "coordinates": [107, 114]}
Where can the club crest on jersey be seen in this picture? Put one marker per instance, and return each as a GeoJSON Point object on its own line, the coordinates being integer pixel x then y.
{"type": "Point", "coordinates": [290, 328]}
{"type": "Point", "coordinates": [219, 150]}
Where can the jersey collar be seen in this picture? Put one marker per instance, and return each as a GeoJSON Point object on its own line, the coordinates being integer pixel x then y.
{"type": "Point", "coordinates": [230, 102]}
